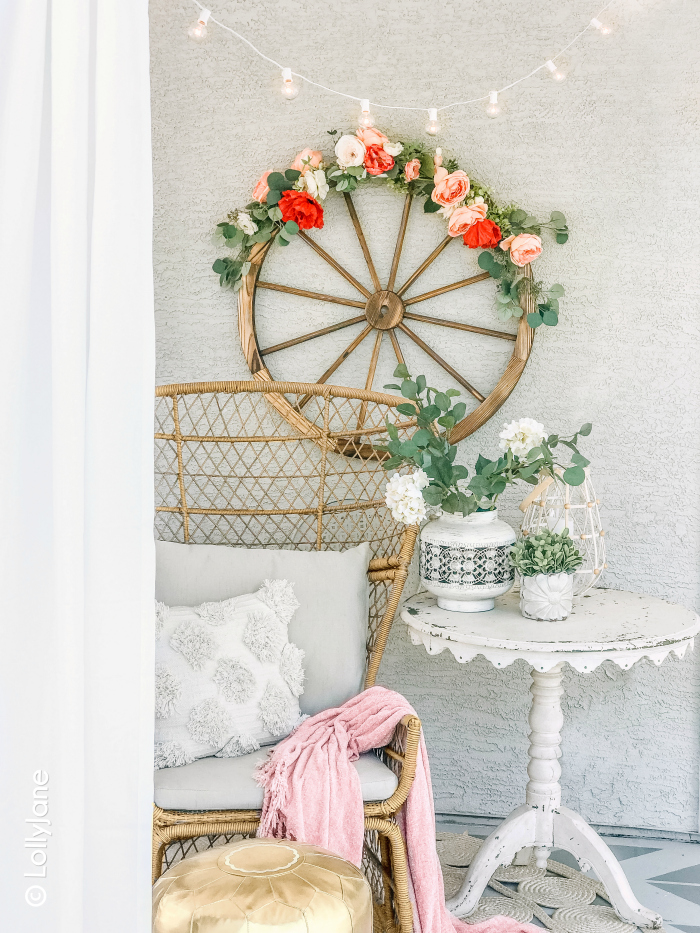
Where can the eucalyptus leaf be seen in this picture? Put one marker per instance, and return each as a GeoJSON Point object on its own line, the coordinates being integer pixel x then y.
{"type": "Point", "coordinates": [562, 237]}
{"type": "Point", "coordinates": [276, 180]}
{"type": "Point", "coordinates": [574, 475]}
{"type": "Point", "coordinates": [430, 207]}
{"type": "Point", "coordinates": [534, 319]}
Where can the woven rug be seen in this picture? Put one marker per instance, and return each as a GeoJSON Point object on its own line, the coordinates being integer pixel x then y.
{"type": "Point", "coordinates": [563, 899]}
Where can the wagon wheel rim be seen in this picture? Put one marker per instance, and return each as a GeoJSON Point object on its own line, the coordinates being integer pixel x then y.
{"type": "Point", "coordinates": [383, 311]}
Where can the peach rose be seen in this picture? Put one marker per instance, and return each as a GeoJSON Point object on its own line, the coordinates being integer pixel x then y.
{"type": "Point", "coordinates": [451, 188]}
{"type": "Point", "coordinates": [306, 159]}
{"type": "Point", "coordinates": [462, 219]}
{"type": "Point", "coordinates": [372, 137]}
{"type": "Point", "coordinates": [261, 189]}
{"type": "Point", "coordinates": [505, 244]}
{"type": "Point", "coordinates": [412, 170]}
{"type": "Point", "coordinates": [524, 248]}
{"type": "Point", "coordinates": [440, 174]}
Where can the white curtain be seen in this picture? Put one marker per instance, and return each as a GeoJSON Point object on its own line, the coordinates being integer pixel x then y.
{"type": "Point", "coordinates": [76, 545]}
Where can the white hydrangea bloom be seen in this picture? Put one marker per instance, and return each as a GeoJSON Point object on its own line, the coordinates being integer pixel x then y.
{"type": "Point", "coordinates": [315, 182]}
{"type": "Point", "coordinates": [194, 643]}
{"type": "Point", "coordinates": [393, 149]}
{"type": "Point", "coordinates": [403, 496]}
{"type": "Point", "coordinates": [209, 723]}
{"type": "Point", "coordinates": [170, 755]}
{"type": "Point", "coordinates": [264, 635]}
{"type": "Point", "coordinates": [279, 596]}
{"type": "Point", "coordinates": [292, 668]}
{"type": "Point", "coordinates": [234, 679]}
{"type": "Point", "coordinates": [162, 613]}
{"type": "Point", "coordinates": [521, 436]}
{"type": "Point", "coordinates": [238, 745]}
{"type": "Point", "coordinates": [168, 690]}
{"type": "Point", "coordinates": [246, 223]}
{"type": "Point", "coordinates": [277, 711]}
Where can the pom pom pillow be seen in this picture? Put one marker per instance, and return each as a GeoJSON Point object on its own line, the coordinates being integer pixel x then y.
{"type": "Point", "coordinates": [228, 680]}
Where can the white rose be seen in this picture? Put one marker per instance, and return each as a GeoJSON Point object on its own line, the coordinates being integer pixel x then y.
{"type": "Point", "coordinates": [246, 223]}
{"type": "Point", "coordinates": [393, 149]}
{"type": "Point", "coordinates": [350, 151]}
{"type": "Point", "coordinates": [316, 183]}
{"type": "Point", "coordinates": [521, 436]}
{"type": "Point", "coordinates": [447, 210]}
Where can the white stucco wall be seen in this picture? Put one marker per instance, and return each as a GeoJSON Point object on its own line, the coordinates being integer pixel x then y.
{"type": "Point", "coordinates": [616, 148]}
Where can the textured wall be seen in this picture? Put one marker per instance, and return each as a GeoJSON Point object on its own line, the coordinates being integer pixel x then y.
{"type": "Point", "coordinates": [616, 148]}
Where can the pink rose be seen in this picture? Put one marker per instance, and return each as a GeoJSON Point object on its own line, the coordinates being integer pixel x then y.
{"type": "Point", "coordinates": [451, 188]}
{"type": "Point", "coordinates": [412, 170]}
{"type": "Point", "coordinates": [261, 189]}
{"type": "Point", "coordinates": [440, 174]}
{"type": "Point", "coordinates": [505, 244]}
{"type": "Point", "coordinates": [306, 159]}
{"type": "Point", "coordinates": [372, 137]}
{"type": "Point", "coordinates": [462, 219]}
{"type": "Point", "coordinates": [523, 248]}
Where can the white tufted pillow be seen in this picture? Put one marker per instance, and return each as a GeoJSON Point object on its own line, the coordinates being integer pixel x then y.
{"type": "Point", "coordinates": [228, 679]}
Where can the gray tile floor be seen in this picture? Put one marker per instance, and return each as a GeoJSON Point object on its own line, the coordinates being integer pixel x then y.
{"type": "Point", "coordinates": [665, 876]}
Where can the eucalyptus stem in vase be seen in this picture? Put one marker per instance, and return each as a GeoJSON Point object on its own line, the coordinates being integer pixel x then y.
{"type": "Point", "coordinates": [464, 554]}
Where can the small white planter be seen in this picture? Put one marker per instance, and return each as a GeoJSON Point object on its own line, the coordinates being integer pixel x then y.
{"type": "Point", "coordinates": [547, 597]}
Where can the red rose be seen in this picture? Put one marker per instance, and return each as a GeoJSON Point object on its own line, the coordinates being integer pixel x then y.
{"type": "Point", "coordinates": [301, 208]}
{"type": "Point", "coordinates": [378, 161]}
{"type": "Point", "coordinates": [484, 233]}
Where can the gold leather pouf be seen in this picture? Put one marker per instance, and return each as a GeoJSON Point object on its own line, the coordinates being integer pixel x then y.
{"type": "Point", "coordinates": [262, 884]}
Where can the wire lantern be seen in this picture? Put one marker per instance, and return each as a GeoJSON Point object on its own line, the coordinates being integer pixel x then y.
{"type": "Point", "coordinates": [555, 505]}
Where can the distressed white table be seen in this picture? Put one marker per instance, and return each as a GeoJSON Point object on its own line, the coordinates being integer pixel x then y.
{"type": "Point", "coordinates": [606, 625]}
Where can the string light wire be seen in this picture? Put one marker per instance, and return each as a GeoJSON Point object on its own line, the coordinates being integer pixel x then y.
{"type": "Point", "coordinates": [460, 103]}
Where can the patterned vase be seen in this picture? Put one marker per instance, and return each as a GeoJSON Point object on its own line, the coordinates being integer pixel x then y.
{"type": "Point", "coordinates": [547, 597]}
{"type": "Point", "coordinates": [465, 562]}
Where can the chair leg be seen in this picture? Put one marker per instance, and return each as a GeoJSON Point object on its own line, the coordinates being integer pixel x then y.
{"type": "Point", "coordinates": [158, 852]}
{"type": "Point", "coordinates": [399, 870]}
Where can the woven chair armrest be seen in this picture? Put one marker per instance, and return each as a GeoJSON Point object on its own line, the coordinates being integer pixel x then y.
{"type": "Point", "coordinates": [401, 755]}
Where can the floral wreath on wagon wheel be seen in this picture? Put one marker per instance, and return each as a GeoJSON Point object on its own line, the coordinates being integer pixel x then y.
{"type": "Point", "coordinates": [286, 205]}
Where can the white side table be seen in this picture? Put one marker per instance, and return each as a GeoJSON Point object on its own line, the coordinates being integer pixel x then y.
{"type": "Point", "coordinates": [607, 625]}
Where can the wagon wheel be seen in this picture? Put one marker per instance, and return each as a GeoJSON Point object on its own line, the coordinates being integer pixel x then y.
{"type": "Point", "coordinates": [383, 311]}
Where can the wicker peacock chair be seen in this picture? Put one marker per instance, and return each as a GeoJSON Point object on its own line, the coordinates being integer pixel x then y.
{"type": "Point", "coordinates": [231, 470]}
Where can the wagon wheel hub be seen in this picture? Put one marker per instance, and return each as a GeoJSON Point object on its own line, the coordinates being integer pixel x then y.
{"type": "Point", "coordinates": [384, 310]}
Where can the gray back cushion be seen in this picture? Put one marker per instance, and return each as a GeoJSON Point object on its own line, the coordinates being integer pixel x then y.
{"type": "Point", "coordinates": [330, 623]}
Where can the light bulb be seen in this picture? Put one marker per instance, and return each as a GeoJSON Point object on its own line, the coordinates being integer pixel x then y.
{"type": "Point", "coordinates": [493, 108]}
{"type": "Point", "coordinates": [290, 88]}
{"type": "Point", "coordinates": [603, 28]}
{"type": "Point", "coordinates": [432, 127]}
{"type": "Point", "coordinates": [198, 30]}
{"type": "Point", "coordinates": [556, 73]}
{"type": "Point", "coordinates": [365, 116]}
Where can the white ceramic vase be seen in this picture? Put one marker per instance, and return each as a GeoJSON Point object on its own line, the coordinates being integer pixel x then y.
{"type": "Point", "coordinates": [465, 561]}
{"type": "Point", "coordinates": [547, 597]}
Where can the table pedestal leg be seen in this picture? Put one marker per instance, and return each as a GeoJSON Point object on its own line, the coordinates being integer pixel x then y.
{"type": "Point", "coordinates": [541, 823]}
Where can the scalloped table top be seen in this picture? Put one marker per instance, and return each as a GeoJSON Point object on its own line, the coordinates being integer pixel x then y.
{"type": "Point", "coordinates": [605, 625]}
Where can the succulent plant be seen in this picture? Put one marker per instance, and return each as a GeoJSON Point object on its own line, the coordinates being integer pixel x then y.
{"type": "Point", "coordinates": [546, 552]}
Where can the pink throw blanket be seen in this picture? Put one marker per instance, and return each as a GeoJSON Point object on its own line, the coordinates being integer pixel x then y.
{"type": "Point", "coordinates": [313, 795]}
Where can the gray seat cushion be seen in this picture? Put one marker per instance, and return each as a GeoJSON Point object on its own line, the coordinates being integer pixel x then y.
{"type": "Point", "coordinates": [228, 784]}
{"type": "Point", "coordinates": [330, 624]}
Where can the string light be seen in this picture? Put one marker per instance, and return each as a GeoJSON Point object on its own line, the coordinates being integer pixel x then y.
{"type": "Point", "coordinates": [432, 127]}
{"type": "Point", "coordinates": [557, 71]}
{"type": "Point", "coordinates": [493, 108]}
{"type": "Point", "coordinates": [290, 89]}
{"type": "Point", "coordinates": [198, 30]}
{"type": "Point", "coordinates": [365, 116]}
{"type": "Point", "coordinates": [603, 28]}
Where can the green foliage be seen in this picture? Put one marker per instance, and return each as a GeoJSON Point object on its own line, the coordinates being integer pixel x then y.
{"type": "Point", "coordinates": [545, 552]}
{"type": "Point", "coordinates": [430, 450]}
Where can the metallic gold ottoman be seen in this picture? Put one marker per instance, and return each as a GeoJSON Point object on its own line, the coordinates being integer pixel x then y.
{"type": "Point", "coordinates": [259, 885]}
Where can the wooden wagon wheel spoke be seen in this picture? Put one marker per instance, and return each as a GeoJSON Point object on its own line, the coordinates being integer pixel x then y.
{"type": "Point", "coordinates": [332, 262]}
{"type": "Point", "coordinates": [445, 365]}
{"type": "Point", "coordinates": [341, 359]}
{"type": "Point", "coordinates": [472, 328]}
{"type": "Point", "coordinates": [313, 334]}
{"type": "Point", "coordinates": [370, 377]}
{"type": "Point", "coordinates": [424, 265]}
{"type": "Point", "coordinates": [397, 348]}
{"type": "Point", "coordinates": [363, 242]}
{"type": "Point", "coordinates": [447, 288]}
{"type": "Point", "coordinates": [304, 294]}
{"type": "Point", "coordinates": [399, 243]}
